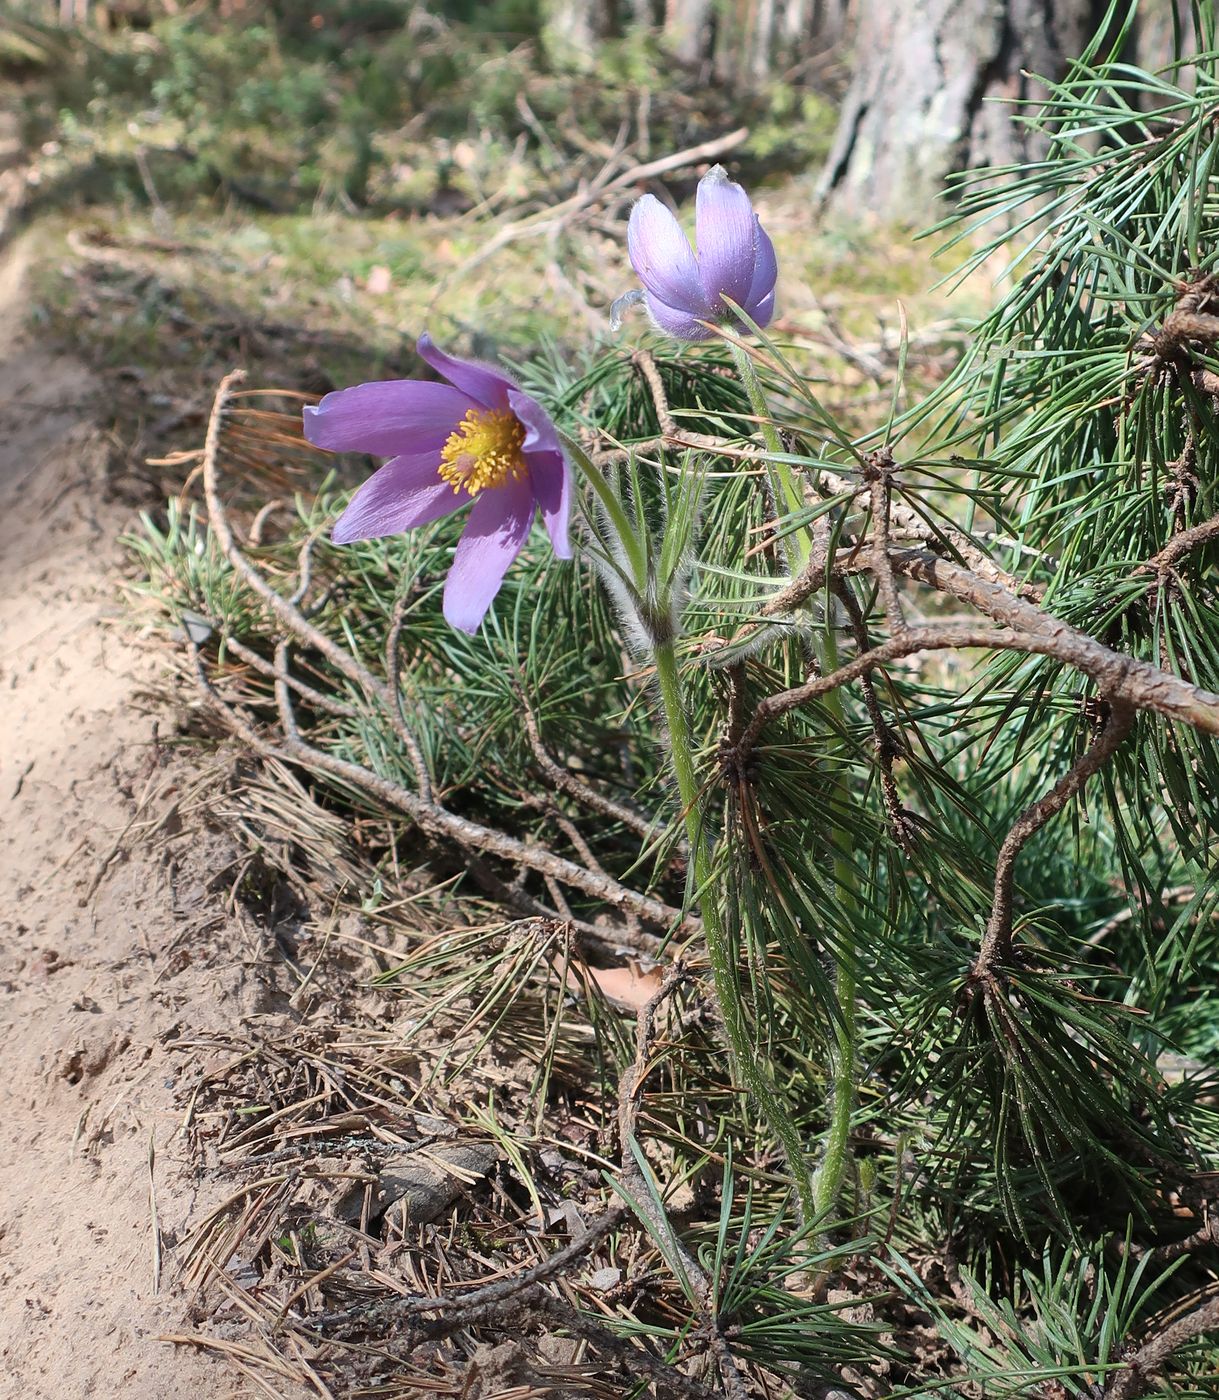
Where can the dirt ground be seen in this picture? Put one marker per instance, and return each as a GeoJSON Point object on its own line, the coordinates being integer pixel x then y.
{"type": "Point", "coordinates": [111, 949]}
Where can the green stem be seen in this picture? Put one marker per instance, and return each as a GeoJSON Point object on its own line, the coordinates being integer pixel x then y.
{"type": "Point", "coordinates": [626, 532]}
{"type": "Point", "coordinates": [789, 499]}
{"type": "Point", "coordinates": [757, 1080]}
{"type": "Point", "coordinates": [827, 1179]}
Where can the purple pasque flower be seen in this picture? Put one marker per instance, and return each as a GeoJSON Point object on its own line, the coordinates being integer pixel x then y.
{"type": "Point", "coordinates": [735, 259]}
{"type": "Point", "coordinates": [477, 438]}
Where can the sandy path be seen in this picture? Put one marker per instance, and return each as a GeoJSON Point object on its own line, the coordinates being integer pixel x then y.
{"type": "Point", "coordinates": [90, 1000]}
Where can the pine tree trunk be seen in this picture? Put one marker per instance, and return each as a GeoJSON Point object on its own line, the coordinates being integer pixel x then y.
{"type": "Point", "coordinates": [571, 30]}
{"type": "Point", "coordinates": [688, 30]}
{"type": "Point", "coordinates": [921, 102]}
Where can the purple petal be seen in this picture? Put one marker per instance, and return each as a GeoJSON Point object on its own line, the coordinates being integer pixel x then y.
{"type": "Point", "coordinates": [661, 255]}
{"type": "Point", "coordinates": [762, 313]}
{"type": "Point", "coordinates": [676, 323]}
{"type": "Point", "coordinates": [548, 469]}
{"type": "Point", "coordinates": [724, 232]}
{"type": "Point", "coordinates": [540, 432]}
{"type": "Point", "coordinates": [497, 528]}
{"type": "Point", "coordinates": [765, 270]}
{"type": "Point", "coordinates": [388, 417]}
{"type": "Point", "coordinates": [482, 382]}
{"type": "Point", "coordinates": [551, 477]}
{"type": "Point", "coordinates": [404, 493]}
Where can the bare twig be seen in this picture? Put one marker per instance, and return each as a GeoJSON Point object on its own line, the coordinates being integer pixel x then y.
{"type": "Point", "coordinates": [912, 641]}
{"type": "Point", "coordinates": [1181, 545]}
{"type": "Point", "coordinates": [887, 746]}
{"type": "Point", "coordinates": [1205, 1237]}
{"type": "Point", "coordinates": [645, 362]}
{"type": "Point", "coordinates": [902, 518]}
{"type": "Point", "coordinates": [284, 610]}
{"type": "Point", "coordinates": [575, 787]}
{"type": "Point", "coordinates": [996, 943]}
{"type": "Point", "coordinates": [444, 825]}
{"type": "Point", "coordinates": [490, 1293]}
{"type": "Point", "coordinates": [266, 668]}
{"type": "Point", "coordinates": [602, 187]}
{"type": "Point", "coordinates": [1117, 677]}
{"type": "Point", "coordinates": [879, 469]}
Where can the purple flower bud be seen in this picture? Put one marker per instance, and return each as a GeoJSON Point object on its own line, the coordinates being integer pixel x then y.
{"type": "Point", "coordinates": [735, 259]}
{"type": "Point", "coordinates": [477, 439]}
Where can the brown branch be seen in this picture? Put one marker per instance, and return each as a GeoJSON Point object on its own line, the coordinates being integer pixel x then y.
{"type": "Point", "coordinates": [1117, 677]}
{"type": "Point", "coordinates": [645, 362]}
{"type": "Point", "coordinates": [996, 943]}
{"type": "Point", "coordinates": [435, 821]}
{"type": "Point", "coordinates": [913, 640]}
{"type": "Point", "coordinates": [886, 745]}
{"type": "Point", "coordinates": [525, 1297]}
{"type": "Point", "coordinates": [1181, 545]}
{"type": "Point", "coordinates": [499, 1292]}
{"type": "Point", "coordinates": [900, 516]}
{"type": "Point", "coordinates": [286, 612]}
{"type": "Point", "coordinates": [1205, 1237]}
{"type": "Point", "coordinates": [912, 524]}
{"type": "Point", "coordinates": [588, 796]}
{"type": "Point", "coordinates": [306, 692]}
{"type": "Point", "coordinates": [1148, 1363]}
{"type": "Point", "coordinates": [297, 751]}
{"type": "Point", "coordinates": [446, 826]}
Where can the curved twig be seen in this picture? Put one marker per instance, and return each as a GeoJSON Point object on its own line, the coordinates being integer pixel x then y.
{"type": "Point", "coordinates": [996, 942]}
{"type": "Point", "coordinates": [284, 610]}
{"type": "Point", "coordinates": [575, 787]}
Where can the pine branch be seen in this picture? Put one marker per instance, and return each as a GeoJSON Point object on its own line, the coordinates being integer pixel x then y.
{"type": "Point", "coordinates": [1150, 1360]}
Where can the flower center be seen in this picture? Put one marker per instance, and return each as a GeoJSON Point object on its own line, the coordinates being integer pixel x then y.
{"type": "Point", "coordinates": [483, 450]}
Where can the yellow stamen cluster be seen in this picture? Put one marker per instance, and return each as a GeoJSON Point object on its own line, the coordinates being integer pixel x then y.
{"type": "Point", "coordinates": [483, 450]}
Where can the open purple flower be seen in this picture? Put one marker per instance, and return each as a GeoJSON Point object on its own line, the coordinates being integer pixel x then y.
{"type": "Point", "coordinates": [478, 438]}
{"type": "Point", "coordinates": [735, 259]}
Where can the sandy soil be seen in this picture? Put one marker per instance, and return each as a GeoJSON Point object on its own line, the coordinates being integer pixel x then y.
{"type": "Point", "coordinates": [101, 968]}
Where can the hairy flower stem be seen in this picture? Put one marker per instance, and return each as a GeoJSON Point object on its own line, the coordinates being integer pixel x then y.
{"type": "Point", "coordinates": [827, 1179]}
{"type": "Point", "coordinates": [789, 499]}
{"type": "Point", "coordinates": [727, 990]}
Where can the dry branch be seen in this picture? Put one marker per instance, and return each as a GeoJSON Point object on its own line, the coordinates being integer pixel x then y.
{"type": "Point", "coordinates": [1148, 1362]}
{"type": "Point", "coordinates": [996, 943]}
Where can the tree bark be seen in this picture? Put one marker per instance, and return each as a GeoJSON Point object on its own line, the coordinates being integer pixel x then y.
{"type": "Point", "coordinates": [687, 29]}
{"type": "Point", "coordinates": [921, 102]}
{"type": "Point", "coordinates": [571, 30]}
